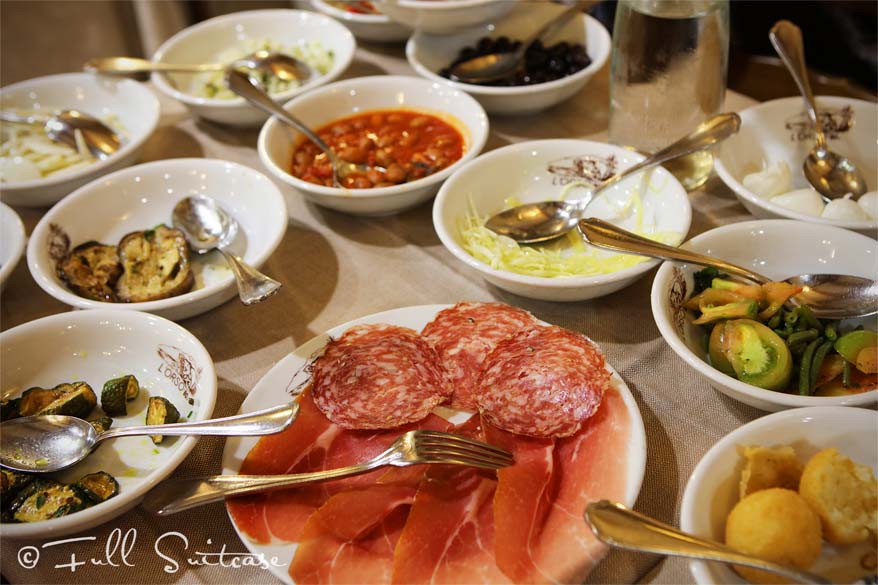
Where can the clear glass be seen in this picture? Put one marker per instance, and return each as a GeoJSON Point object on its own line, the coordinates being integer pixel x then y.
{"type": "Point", "coordinates": [668, 75]}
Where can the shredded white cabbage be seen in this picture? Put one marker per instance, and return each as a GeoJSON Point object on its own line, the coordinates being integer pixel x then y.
{"type": "Point", "coordinates": [212, 84]}
{"type": "Point", "coordinates": [566, 256]}
{"type": "Point", "coordinates": [27, 153]}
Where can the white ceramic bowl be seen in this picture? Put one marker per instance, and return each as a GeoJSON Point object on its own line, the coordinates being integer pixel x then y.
{"type": "Point", "coordinates": [537, 171]}
{"type": "Point", "coordinates": [712, 490]}
{"type": "Point", "coordinates": [202, 42]}
{"type": "Point", "coordinates": [132, 104]}
{"type": "Point", "coordinates": [779, 130]}
{"type": "Point", "coordinates": [345, 98]}
{"type": "Point", "coordinates": [144, 196]}
{"type": "Point", "coordinates": [12, 240]}
{"type": "Point", "coordinates": [441, 16]}
{"type": "Point", "coordinates": [429, 54]}
{"type": "Point", "coordinates": [95, 346]}
{"type": "Point", "coordinates": [366, 27]}
{"type": "Point", "coordinates": [778, 249]}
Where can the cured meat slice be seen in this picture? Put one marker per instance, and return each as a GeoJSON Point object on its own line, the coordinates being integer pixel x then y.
{"type": "Point", "coordinates": [378, 377]}
{"type": "Point", "coordinates": [542, 382]}
{"type": "Point", "coordinates": [465, 334]}
{"type": "Point", "coordinates": [590, 465]}
{"type": "Point", "coordinates": [528, 487]}
{"type": "Point", "coordinates": [449, 535]}
{"type": "Point", "coordinates": [311, 443]}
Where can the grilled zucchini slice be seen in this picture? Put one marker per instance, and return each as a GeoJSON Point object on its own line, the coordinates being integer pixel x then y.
{"type": "Point", "coordinates": [11, 482]}
{"type": "Point", "coordinates": [98, 487]}
{"type": "Point", "coordinates": [49, 500]}
{"type": "Point", "coordinates": [75, 399]}
{"type": "Point", "coordinates": [35, 400]}
{"type": "Point", "coordinates": [10, 409]}
{"type": "Point", "coordinates": [155, 265]}
{"type": "Point", "coordinates": [160, 411]}
{"type": "Point", "coordinates": [11, 505]}
{"type": "Point", "coordinates": [101, 424]}
{"type": "Point", "coordinates": [117, 392]}
{"type": "Point", "coordinates": [91, 271]}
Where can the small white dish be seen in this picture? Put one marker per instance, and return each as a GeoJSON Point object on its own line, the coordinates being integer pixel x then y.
{"type": "Point", "coordinates": [362, 94]}
{"type": "Point", "coordinates": [428, 54]}
{"type": "Point", "coordinates": [538, 171]}
{"type": "Point", "coordinates": [778, 249]}
{"type": "Point", "coordinates": [132, 104]}
{"type": "Point", "coordinates": [202, 42]}
{"type": "Point", "coordinates": [12, 241]}
{"type": "Point", "coordinates": [142, 197]}
{"type": "Point", "coordinates": [96, 346]}
{"type": "Point", "coordinates": [280, 382]}
{"type": "Point", "coordinates": [712, 490]}
{"type": "Point", "coordinates": [376, 27]}
{"type": "Point", "coordinates": [442, 17]}
{"type": "Point", "coordinates": [780, 130]}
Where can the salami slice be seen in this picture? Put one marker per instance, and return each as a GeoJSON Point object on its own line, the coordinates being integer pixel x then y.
{"type": "Point", "coordinates": [378, 377]}
{"type": "Point", "coordinates": [465, 334]}
{"type": "Point", "coordinates": [543, 382]}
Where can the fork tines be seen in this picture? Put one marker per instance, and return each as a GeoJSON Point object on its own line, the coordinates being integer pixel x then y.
{"type": "Point", "coordinates": [451, 448]}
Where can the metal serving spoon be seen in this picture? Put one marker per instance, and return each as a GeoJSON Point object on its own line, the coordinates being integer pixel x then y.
{"type": "Point", "coordinates": [618, 526]}
{"type": "Point", "coordinates": [101, 140]}
{"type": "Point", "coordinates": [42, 444]}
{"type": "Point", "coordinates": [247, 87]}
{"type": "Point", "coordinates": [487, 68]}
{"type": "Point", "coordinates": [547, 220]}
{"type": "Point", "coordinates": [207, 226]}
{"type": "Point", "coordinates": [831, 174]}
{"type": "Point", "coordinates": [830, 296]}
{"type": "Point", "coordinates": [281, 66]}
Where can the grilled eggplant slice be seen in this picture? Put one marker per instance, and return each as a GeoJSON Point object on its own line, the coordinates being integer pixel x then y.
{"type": "Point", "coordinates": [50, 500]}
{"type": "Point", "coordinates": [101, 424]}
{"type": "Point", "coordinates": [10, 409]}
{"type": "Point", "coordinates": [91, 271]}
{"type": "Point", "coordinates": [98, 487]}
{"type": "Point", "coordinates": [155, 265]}
{"type": "Point", "coordinates": [160, 411]}
{"type": "Point", "coordinates": [116, 394]}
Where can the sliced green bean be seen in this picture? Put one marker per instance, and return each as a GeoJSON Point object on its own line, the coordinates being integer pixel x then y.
{"type": "Point", "coordinates": [774, 322]}
{"type": "Point", "coordinates": [803, 336]}
{"type": "Point", "coordinates": [791, 317]}
{"type": "Point", "coordinates": [846, 372]}
{"type": "Point", "coordinates": [805, 368]}
{"type": "Point", "coordinates": [819, 356]}
{"type": "Point", "coordinates": [830, 333]}
{"type": "Point", "coordinates": [807, 315]}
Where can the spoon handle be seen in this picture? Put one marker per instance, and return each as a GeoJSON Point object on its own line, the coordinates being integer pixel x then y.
{"type": "Point", "coordinates": [7, 116]}
{"type": "Point", "coordinates": [603, 234]}
{"type": "Point", "coordinates": [253, 286]}
{"type": "Point", "coordinates": [787, 40]}
{"type": "Point", "coordinates": [129, 65]}
{"type": "Point", "coordinates": [618, 526]}
{"type": "Point", "coordinates": [262, 422]}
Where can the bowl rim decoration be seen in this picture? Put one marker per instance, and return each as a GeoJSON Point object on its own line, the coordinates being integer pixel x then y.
{"type": "Point", "coordinates": [329, 9]}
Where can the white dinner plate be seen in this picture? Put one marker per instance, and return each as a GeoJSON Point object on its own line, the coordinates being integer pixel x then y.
{"type": "Point", "coordinates": [282, 381]}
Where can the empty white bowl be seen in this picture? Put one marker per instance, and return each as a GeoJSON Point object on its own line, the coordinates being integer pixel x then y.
{"type": "Point", "coordinates": [144, 196]}
{"type": "Point", "coordinates": [366, 27]}
{"type": "Point", "coordinates": [537, 171]}
{"type": "Point", "coordinates": [441, 16]}
{"type": "Point", "coordinates": [712, 490]}
{"type": "Point", "coordinates": [12, 240]}
{"type": "Point", "coordinates": [202, 42]}
{"type": "Point", "coordinates": [780, 130]}
{"type": "Point", "coordinates": [429, 54]}
{"type": "Point", "coordinates": [778, 249]}
{"type": "Point", "coordinates": [362, 94]}
{"type": "Point", "coordinates": [132, 104]}
{"type": "Point", "coordinates": [96, 346]}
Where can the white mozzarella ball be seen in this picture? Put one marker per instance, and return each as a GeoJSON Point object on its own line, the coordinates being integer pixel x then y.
{"type": "Point", "coordinates": [844, 209]}
{"type": "Point", "coordinates": [770, 181]}
{"type": "Point", "coordinates": [869, 203]}
{"type": "Point", "coordinates": [807, 201]}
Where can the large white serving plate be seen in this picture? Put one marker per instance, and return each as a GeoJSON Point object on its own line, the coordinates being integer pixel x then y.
{"type": "Point", "coordinates": [96, 346]}
{"type": "Point", "coordinates": [283, 380]}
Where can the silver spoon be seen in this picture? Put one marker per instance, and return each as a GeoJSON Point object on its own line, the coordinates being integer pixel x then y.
{"type": "Point", "coordinates": [547, 220]}
{"type": "Point", "coordinates": [618, 526]}
{"type": "Point", "coordinates": [280, 65]}
{"type": "Point", "coordinates": [830, 296]}
{"type": "Point", "coordinates": [487, 68]}
{"type": "Point", "coordinates": [207, 226]}
{"type": "Point", "coordinates": [101, 140]}
{"type": "Point", "coordinates": [831, 174]}
{"type": "Point", "coordinates": [248, 88]}
{"type": "Point", "coordinates": [42, 444]}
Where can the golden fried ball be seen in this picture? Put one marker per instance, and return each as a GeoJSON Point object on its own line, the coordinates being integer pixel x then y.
{"type": "Point", "coordinates": [844, 495]}
{"type": "Point", "coordinates": [769, 467]}
{"type": "Point", "coordinates": [777, 525]}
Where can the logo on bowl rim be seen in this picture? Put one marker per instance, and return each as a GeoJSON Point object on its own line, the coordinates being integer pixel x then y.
{"type": "Point", "coordinates": [833, 121]}
{"type": "Point", "coordinates": [584, 168]}
{"type": "Point", "coordinates": [677, 298]}
{"type": "Point", "coordinates": [179, 368]}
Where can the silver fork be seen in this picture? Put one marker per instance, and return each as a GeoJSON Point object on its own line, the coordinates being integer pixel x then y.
{"type": "Point", "coordinates": [411, 448]}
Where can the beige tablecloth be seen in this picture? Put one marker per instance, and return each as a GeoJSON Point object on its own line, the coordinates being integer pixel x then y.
{"type": "Point", "coordinates": [337, 267]}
